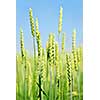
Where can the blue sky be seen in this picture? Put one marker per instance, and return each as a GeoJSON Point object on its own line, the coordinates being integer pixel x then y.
{"type": "Point", "coordinates": [47, 12]}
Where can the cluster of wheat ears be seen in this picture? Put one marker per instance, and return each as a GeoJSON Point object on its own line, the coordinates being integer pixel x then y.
{"type": "Point", "coordinates": [51, 73]}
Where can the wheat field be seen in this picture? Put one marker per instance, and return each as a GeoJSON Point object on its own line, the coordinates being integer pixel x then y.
{"type": "Point", "coordinates": [50, 73]}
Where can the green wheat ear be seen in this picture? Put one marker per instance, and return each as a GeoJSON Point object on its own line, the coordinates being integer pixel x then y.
{"type": "Point", "coordinates": [60, 20]}
{"type": "Point", "coordinates": [38, 38]}
{"type": "Point", "coordinates": [32, 22]}
{"type": "Point", "coordinates": [22, 44]}
{"type": "Point", "coordinates": [51, 49]}
{"type": "Point", "coordinates": [68, 64]}
{"type": "Point", "coordinates": [74, 49]}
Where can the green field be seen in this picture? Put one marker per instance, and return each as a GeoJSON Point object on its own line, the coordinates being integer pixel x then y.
{"type": "Point", "coordinates": [50, 73]}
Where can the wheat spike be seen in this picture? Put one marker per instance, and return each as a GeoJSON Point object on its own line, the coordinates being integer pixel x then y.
{"type": "Point", "coordinates": [32, 22]}
{"type": "Point", "coordinates": [60, 20]}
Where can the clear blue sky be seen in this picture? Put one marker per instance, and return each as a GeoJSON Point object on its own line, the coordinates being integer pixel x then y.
{"type": "Point", "coordinates": [47, 12]}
